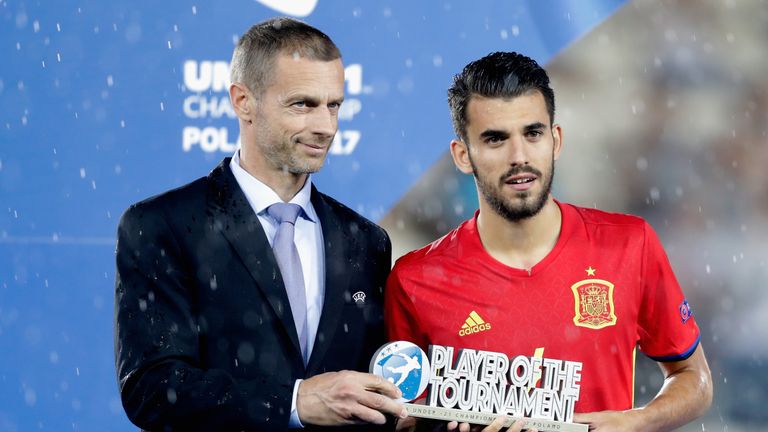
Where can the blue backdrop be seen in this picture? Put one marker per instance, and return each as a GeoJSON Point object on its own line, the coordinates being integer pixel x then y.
{"type": "Point", "coordinates": [105, 103]}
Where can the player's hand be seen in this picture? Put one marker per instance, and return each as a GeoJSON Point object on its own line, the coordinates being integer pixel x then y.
{"type": "Point", "coordinates": [496, 426]}
{"type": "Point", "coordinates": [609, 421]}
{"type": "Point", "coordinates": [347, 397]}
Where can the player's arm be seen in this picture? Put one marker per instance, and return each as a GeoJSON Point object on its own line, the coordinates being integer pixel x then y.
{"type": "Point", "coordinates": [685, 395]}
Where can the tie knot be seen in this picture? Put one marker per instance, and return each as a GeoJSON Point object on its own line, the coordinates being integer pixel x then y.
{"type": "Point", "coordinates": [284, 212]}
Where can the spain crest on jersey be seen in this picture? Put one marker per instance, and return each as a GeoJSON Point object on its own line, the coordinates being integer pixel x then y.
{"type": "Point", "coordinates": [594, 304]}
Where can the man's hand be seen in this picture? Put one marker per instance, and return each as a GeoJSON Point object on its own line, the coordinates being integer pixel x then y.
{"type": "Point", "coordinates": [346, 397]}
{"type": "Point", "coordinates": [609, 421]}
{"type": "Point", "coordinates": [496, 426]}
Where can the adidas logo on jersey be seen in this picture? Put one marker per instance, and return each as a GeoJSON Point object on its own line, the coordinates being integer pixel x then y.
{"type": "Point", "coordinates": [473, 324]}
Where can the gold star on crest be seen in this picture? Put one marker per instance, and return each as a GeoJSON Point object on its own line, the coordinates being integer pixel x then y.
{"type": "Point", "coordinates": [590, 271]}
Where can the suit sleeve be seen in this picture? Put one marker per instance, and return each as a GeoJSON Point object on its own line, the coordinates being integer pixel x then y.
{"type": "Point", "coordinates": [667, 329]}
{"type": "Point", "coordinates": [163, 381]}
{"type": "Point", "coordinates": [400, 314]}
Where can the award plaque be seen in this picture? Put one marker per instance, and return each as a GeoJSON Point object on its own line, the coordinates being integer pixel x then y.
{"type": "Point", "coordinates": [477, 386]}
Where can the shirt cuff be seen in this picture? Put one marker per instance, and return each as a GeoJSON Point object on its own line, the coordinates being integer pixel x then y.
{"type": "Point", "coordinates": [294, 421]}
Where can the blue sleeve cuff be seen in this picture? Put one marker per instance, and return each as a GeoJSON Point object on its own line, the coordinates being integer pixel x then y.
{"type": "Point", "coordinates": [673, 358]}
{"type": "Point", "coordinates": [294, 421]}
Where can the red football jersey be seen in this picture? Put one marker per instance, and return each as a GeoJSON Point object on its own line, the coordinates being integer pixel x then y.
{"type": "Point", "coordinates": [606, 288]}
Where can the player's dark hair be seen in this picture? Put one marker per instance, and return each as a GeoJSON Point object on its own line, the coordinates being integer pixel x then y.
{"type": "Point", "coordinates": [500, 74]}
{"type": "Point", "coordinates": [254, 56]}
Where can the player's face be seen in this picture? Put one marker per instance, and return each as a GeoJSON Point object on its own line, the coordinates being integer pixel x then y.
{"type": "Point", "coordinates": [297, 114]}
{"type": "Point", "coordinates": [511, 152]}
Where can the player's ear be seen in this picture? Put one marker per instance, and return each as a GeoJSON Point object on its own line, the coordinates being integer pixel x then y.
{"type": "Point", "coordinates": [460, 154]}
{"type": "Point", "coordinates": [557, 137]}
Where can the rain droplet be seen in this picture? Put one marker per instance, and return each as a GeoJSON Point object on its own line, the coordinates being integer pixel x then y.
{"type": "Point", "coordinates": [642, 164]}
{"type": "Point", "coordinates": [655, 193]}
{"type": "Point", "coordinates": [110, 81]}
{"type": "Point", "coordinates": [194, 10]}
{"type": "Point", "coordinates": [30, 397]}
{"type": "Point", "coordinates": [82, 172]}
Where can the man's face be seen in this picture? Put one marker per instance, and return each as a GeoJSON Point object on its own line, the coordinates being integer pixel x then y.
{"type": "Point", "coordinates": [297, 114]}
{"type": "Point", "coordinates": [512, 149]}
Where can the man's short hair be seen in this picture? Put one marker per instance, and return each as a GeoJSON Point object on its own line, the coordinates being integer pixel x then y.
{"type": "Point", "coordinates": [254, 57]}
{"type": "Point", "coordinates": [498, 75]}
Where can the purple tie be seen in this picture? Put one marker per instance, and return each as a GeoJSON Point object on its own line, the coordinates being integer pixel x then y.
{"type": "Point", "coordinates": [290, 268]}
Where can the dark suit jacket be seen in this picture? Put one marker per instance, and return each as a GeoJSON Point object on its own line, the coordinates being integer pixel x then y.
{"type": "Point", "coordinates": [204, 336]}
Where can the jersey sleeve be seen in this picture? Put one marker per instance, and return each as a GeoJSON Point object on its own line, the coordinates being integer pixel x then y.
{"type": "Point", "coordinates": [400, 315]}
{"type": "Point", "coordinates": [667, 329]}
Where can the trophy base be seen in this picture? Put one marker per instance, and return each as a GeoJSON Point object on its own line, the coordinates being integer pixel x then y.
{"type": "Point", "coordinates": [480, 418]}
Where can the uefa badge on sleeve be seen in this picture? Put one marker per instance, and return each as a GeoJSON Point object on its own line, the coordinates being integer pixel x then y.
{"type": "Point", "coordinates": [477, 386]}
{"type": "Point", "coordinates": [685, 311]}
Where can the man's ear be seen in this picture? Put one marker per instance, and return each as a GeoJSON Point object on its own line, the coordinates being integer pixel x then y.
{"type": "Point", "coordinates": [460, 153]}
{"type": "Point", "coordinates": [557, 137]}
{"type": "Point", "coordinates": [242, 101]}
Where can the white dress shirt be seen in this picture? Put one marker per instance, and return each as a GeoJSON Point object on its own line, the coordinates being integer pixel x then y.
{"type": "Point", "coordinates": [308, 237]}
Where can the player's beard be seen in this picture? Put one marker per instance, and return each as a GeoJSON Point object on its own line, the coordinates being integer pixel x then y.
{"type": "Point", "coordinates": [522, 205]}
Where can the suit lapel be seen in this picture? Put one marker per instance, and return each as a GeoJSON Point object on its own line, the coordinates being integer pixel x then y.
{"type": "Point", "coordinates": [233, 217]}
{"type": "Point", "coordinates": [337, 254]}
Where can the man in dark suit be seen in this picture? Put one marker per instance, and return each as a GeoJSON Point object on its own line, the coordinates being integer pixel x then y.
{"type": "Point", "coordinates": [246, 300]}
